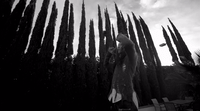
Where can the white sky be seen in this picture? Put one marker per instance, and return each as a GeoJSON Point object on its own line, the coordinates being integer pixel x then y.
{"type": "Point", "coordinates": [185, 14]}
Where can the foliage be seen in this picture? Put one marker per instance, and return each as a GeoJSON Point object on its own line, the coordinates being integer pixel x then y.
{"type": "Point", "coordinates": [82, 31]}
{"type": "Point", "coordinates": [38, 30]}
{"type": "Point", "coordinates": [120, 22]}
{"type": "Point", "coordinates": [62, 39]}
{"type": "Point", "coordinates": [71, 32]}
{"type": "Point", "coordinates": [186, 52]}
{"type": "Point", "coordinates": [145, 93]}
{"type": "Point", "coordinates": [10, 28]}
{"type": "Point", "coordinates": [171, 49]}
{"type": "Point", "coordinates": [109, 41]}
{"type": "Point", "coordinates": [151, 70]}
{"type": "Point", "coordinates": [92, 49]}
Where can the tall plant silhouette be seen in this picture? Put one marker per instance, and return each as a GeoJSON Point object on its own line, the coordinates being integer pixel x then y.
{"type": "Point", "coordinates": [169, 44]}
{"type": "Point", "coordinates": [103, 77]}
{"type": "Point", "coordinates": [80, 63]}
{"type": "Point", "coordinates": [178, 47]}
{"type": "Point", "coordinates": [186, 52]}
{"type": "Point", "coordinates": [154, 56]}
{"type": "Point", "coordinates": [18, 45]}
{"type": "Point", "coordinates": [29, 61]}
{"type": "Point", "coordinates": [70, 50]}
{"type": "Point", "coordinates": [10, 29]}
{"type": "Point", "coordinates": [107, 33]}
{"type": "Point", "coordinates": [91, 71]}
{"type": "Point", "coordinates": [5, 13]}
{"type": "Point", "coordinates": [145, 93]}
{"type": "Point", "coordinates": [43, 65]}
{"type": "Point", "coordinates": [37, 34]}
{"type": "Point", "coordinates": [152, 77]}
{"type": "Point", "coordinates": [61, 49]}
{"type": "Point", "coordinates": [120, 21]}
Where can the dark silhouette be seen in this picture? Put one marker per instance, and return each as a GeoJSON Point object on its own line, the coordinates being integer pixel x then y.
{"type": "Point", "coordinates": [145, 93]}
{"type": "Point", "coordinates": [120, 25]}
{"type": "Point", "coordinates": [70, 50]}
{"type": "Point", "coordinates": [63, 33]}
{"type": "Point", "coordinates": [43, 65]}
{"type": "Point", "coordinates": [151, 71]}
{"type": "Point", "coordinates": [186, 52]}
{"type": "Point", "coordinates": [103, 75]}
{"type": "Point", "coordinates": [91, 72]}
{"type": "Point", "coordinates": [171, 49]}
{"type": "Point", "coordinates": [178, 47]}
{"type": "Point", "coordinates": [80, 66]}
{"type": "Point", "coordinates": [154, 56]}
{"type": "Point", "coordinates": [109, 41]}
{"type": "Point", "coordinates": [10, 29]}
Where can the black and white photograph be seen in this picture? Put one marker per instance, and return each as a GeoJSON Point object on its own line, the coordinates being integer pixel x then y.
{"type": "Point", "coordinates": [100, 55]}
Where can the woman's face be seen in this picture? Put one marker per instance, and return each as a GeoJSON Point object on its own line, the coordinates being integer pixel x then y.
{"type": "Point", "coordinates": [119, 48]}
{"type": "Point", "coordinates": [121, 51]}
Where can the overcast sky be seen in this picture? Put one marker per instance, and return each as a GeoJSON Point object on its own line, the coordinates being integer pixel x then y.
{"type": "Point", "coordinates": [185, 14]}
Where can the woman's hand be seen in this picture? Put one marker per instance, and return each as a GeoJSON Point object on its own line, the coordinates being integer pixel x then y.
{"type": "Point", "coordinates": [111, 50]}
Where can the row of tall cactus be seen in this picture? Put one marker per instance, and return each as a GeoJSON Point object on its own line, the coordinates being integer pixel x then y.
{"type": "Point", "coordinates": [35, 79]}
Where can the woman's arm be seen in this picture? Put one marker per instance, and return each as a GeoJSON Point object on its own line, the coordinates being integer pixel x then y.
{"type": "Point", "coordinates": [129, 47]}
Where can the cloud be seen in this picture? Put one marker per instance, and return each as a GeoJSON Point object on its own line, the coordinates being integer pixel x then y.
{"type": "Point", "coordinates": [153, 3]}
{"type": "Point", "coordinates": [147, 3]}
{"type": "Point", "coordinates": [159, 3]}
